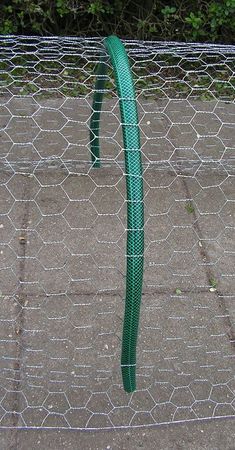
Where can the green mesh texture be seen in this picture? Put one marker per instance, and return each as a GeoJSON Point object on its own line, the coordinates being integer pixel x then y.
{"type": "Point", "coordinates": [134, 188]}
{"type": "Point", "coordinates": [96, 110]}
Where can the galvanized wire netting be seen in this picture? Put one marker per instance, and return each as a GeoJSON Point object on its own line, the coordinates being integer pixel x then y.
{"type": "Point", "coordinates": [63, 236]}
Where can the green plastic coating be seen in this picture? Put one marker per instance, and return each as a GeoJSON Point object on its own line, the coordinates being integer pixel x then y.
{"type": "Point", "coordinates": [96, 109]}
{"type": "Point", "coordinates": [134, 188]}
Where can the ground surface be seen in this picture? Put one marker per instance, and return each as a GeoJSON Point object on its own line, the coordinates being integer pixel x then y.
{"type": "Point", "coordinates": [62, 277]}
{"type": "Point", "coordinates": [213, 435]}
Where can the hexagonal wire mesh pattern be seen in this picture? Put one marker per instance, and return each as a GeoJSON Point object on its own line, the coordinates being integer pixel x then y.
{"type": "Point", "coordinates": [63, 236]}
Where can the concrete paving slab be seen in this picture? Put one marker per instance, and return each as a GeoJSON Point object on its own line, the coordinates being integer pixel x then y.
{"type": "Point", "coordinates": [213, 435]}
{"type": "Point", "coordinates": [63, 233]}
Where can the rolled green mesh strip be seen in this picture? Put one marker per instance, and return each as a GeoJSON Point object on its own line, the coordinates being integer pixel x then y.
{"type": "Point", "coordinates": [134, 188]}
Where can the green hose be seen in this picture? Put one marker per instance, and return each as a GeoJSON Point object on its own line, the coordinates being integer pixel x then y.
{"type": "Point", "coordinates": [96, 109]}
{"type": "Point", "coordinates": [134, 187]}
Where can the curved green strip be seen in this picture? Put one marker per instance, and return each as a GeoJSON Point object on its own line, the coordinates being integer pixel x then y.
{"type": "Point", "coordinates": [135, 205]}
{"type": "Point", "coordinates": [96, 109]}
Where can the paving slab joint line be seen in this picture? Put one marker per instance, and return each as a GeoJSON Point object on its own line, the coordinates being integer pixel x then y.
{"type": "Point", "coordinates": [209, 273]}
{"type": "Point", "coordinates": [19, 326]}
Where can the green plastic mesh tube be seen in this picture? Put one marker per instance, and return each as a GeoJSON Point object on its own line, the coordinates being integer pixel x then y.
{"type": "Point", "coordinates": [96, 109]}
{"type": "Point", "coordinates": [134, 187]}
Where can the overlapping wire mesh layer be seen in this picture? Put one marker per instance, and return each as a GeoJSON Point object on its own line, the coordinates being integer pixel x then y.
{"type": "Point", "coordinates": [63, 236]}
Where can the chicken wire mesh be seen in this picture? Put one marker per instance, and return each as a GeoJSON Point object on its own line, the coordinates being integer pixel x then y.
{"type": "Point", "coordinates": [63, 236]}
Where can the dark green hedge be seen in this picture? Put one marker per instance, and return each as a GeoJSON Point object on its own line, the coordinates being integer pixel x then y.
{"type": "Point", "coordinates": [176, 20]}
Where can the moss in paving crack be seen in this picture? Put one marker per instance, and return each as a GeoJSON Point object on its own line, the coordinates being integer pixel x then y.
{"type": "Point", "coordinates": [189, 207]}
{"type": "Point", "coordinates": [213, 283]}
{"type": "Point", "coordinates": [178, 291]}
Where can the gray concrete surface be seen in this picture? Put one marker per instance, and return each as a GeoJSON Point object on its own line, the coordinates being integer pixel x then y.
{"type": "Point", "coordinates": [208, 435]}
{"type": "Point", "coordinates": [62, 277]}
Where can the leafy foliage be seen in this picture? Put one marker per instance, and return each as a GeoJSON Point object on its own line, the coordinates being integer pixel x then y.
{"type": "Point", "coordinates": [213, 20]}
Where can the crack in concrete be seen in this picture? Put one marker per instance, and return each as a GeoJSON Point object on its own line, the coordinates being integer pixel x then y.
{"type": "Point", "coordinates": [19, 325]}
{"type": "Point", "coordinates": [210, 275]}
{"type": "Point", "coordinates": [119, 293]}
